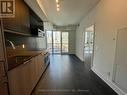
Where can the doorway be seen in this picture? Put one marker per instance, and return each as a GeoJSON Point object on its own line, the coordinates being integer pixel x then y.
{"type": "Point", "coordinates": [88, 52]}
{"type": "Point", "coordinates": [57, 42]}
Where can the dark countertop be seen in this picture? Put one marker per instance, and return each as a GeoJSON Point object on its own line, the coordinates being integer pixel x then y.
{"type": "Point", "coordinates": [22, 57]}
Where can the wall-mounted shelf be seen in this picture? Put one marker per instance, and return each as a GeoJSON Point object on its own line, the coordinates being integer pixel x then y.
{"type": "Point", "coordinates": [18, 33]}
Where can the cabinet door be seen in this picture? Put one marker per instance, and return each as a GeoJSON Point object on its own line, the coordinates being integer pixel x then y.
{"type": "Point", "coordinates": [13, 23]}
{"type": "Point", "coordinates": [3, 88]}
{"type": "Point", "coordinates": [32, 73]}
{"type": "Point", "coordinates": [3, 84]}
{"type": "Point", "coordinates": [37, 70]}
{"type": "Point", "coordinates": [40, 65]}
{"type": "Point", "coordinates": [1, 46]}
{"type": "Point", "coordinates": [25, 20]}
{"type": "Point", "coordinates": [20, 23]}
{"type": "Point", "coordinates": [20, 80]}
{"type": "Point", "coordinates": [121, 60]}
{"type": "Point", "coordinates": [24, 78]}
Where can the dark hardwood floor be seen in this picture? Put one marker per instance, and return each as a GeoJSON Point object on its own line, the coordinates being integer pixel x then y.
{"type": "Point", "coordinates": [67, 75]}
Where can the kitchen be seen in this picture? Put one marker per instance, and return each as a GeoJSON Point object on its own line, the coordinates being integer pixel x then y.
{"type": "Point", "coordinates": [42, 45]}
{"type": "Point", "coordinates": [23, 54]}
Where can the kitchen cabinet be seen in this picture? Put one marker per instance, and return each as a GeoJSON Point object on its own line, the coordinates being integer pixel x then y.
{"type": "Point", "coordinates": [1, 46]}
{"type": "Point", "coordinates": [24, 18]}
{"type": "Point", "coordinates": [3, 80]}
{"type": "Point", "coordinates": [33, 75]}
{"type": "Point", "coordinates": [13, 23]}
{"type": "Point", "coordinates": [3, 88]}
{"type": "Point", "coordinates": [40, 64]}
{"type": "Point", "coordinates": [20, 23]}
{"type": "Point", "coordinates": [24, 78]}
{"type": "Point", "coordinates": [20, 79]}
{"type": "Point", "coordinates": [38, 67]}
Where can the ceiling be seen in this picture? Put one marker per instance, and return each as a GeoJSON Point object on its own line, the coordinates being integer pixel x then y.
{"type": "Point", "coordinates": [71, 11]}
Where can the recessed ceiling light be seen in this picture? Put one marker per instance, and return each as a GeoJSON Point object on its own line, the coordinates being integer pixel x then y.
{"type": "Point", "coordinates": [58, 9]}
{"type": "Point", "coordinates": [58, 5]}
{"type": "Point", "coordinates": [57, 1]}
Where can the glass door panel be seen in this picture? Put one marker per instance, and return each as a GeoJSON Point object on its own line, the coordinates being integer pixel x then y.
{"type": "Point", "coordinates": [89, 36]}
{"type": "Point", "coordinates": [49, 41]}
{"type": "Point", "coordinates": [65, 37]}
{"type": "Point", "coordinates": [56, 42]}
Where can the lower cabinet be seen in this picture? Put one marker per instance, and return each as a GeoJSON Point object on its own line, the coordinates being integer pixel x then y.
{"type": "Point", "coordinates": [19, 80]}
{"type": "Point", "coordinates": [24, 78]}
{"type": "Point", "coordinates": [3, 88]}
{"type": "Point", "coordinates": [40, 66]}
{"type": "Point", "coordinates": [3, 80]}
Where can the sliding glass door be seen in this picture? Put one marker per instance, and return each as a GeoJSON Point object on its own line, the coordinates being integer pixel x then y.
{"type": "Point", "coordinates": [65, 37]}
{"type": "Point", "coordinates": [49, 41]}
{"type": "Point", "coordinates": [57, 41]}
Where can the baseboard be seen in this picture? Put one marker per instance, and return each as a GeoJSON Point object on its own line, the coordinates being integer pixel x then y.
{"type": "Point", "coordinates": [79, 58]}
{"type": "Point", "coordinates": [109, 83]}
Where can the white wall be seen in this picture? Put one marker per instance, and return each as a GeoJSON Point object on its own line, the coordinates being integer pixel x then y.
{"type": "Point", "coordinates": [72, 39]}
{"type": "Point", "coordinates": [108, 16]}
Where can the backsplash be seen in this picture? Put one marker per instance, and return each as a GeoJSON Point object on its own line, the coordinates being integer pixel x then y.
{"type": "Point", "coordinates": [24, 42]}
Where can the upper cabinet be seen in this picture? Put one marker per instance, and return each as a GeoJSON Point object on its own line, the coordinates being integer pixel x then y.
{"type": "Point", "coordinates": [25, 21]}
{"type": "Point", "coordinates": [24, 17]}
{"type": "Point", "coordinates": [20, 23]}
{"type": "Point", "coordinates": [36, 24]}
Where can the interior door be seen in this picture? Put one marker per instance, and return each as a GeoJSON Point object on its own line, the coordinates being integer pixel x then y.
{"type": "Point", "coordinates": [88, 45]}
{"type": "Point", "coordinates": [120, 73]}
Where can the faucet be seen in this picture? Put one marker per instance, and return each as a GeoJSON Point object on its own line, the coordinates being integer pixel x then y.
{"type": "Point", "coordinates": [12, 44]}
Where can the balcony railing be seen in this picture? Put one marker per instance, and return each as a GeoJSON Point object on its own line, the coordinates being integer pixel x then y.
{"type": "Point", "coordinates": [56, 48]}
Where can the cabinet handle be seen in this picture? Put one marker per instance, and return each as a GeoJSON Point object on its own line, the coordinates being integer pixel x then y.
{"type": "Point", "coordinates": [1, 60]}
{"type": "Point", "coordinates": [4, 75]}
{"type": "Point", "coordinates": [27, 61]}
{"type": "Point", "coordinates": [5, 83]}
